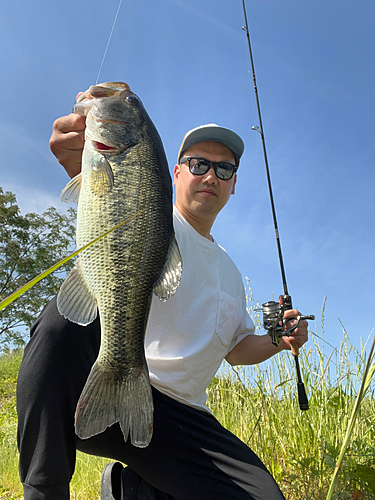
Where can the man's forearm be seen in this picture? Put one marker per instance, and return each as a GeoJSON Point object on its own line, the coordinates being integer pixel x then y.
{"type": "Point", "coordinates": [252, 350]}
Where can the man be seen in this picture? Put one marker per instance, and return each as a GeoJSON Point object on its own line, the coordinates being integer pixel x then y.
{"type": "Point", "coordinates": [191, 456]}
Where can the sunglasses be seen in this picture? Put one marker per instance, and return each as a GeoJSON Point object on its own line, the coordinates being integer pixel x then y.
{"type": "Point", "coordinates": [199, 166]}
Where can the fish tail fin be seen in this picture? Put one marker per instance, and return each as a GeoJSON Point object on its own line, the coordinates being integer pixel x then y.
{"type": "Point", "coordinates": [106, 400]}
{"type": "Point", "coordinates": [136, 398]}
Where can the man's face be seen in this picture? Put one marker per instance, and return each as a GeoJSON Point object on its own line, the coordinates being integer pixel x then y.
{"type": "Point", "coordinates": [203, 195]}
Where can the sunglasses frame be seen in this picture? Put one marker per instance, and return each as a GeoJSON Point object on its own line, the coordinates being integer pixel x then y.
{"type": "Point", "coordinates": [214, 164]}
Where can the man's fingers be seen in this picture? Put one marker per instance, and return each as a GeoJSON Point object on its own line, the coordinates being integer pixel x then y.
{"type": "Point", "coordinates": [71, 161]}
{"type": "Point", "coordinates": [70, 123]}
{"type": "Point", "coordinates": [291, 313]}
{"type": "Point", "coordinates": [67, 141]}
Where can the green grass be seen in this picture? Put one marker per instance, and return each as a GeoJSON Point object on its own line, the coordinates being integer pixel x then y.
{"type": "Point", "coordinates": [259, 405]}
{"type": "Point", "coordinates": [9, 481]}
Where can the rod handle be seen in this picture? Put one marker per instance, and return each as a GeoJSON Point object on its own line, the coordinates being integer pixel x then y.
{"type": "Point", "coordinates": [295, 348]}
{"type": "Point", "coordinates": [302, 396]}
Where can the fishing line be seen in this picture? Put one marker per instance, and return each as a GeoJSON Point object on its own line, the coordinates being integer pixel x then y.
{"type": "Point", "coordinates": [109, 40]}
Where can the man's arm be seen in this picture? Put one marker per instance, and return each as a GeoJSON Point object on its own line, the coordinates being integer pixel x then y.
{"type": "Point", "coordinates": [67, 141]}
{"type": "Point", "coordinates": [254, 349]}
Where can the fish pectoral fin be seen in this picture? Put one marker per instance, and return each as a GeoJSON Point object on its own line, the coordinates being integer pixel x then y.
{"type": "Point", "coordinates": [106, 399]}
{"type": "Point", "coordinates": [101, 176]}
{"type": "Point", "coordinates": [170, 277]}
{"type": "Point", "coordinates": [70, 193]}
{"type": "Point", "coordinates": [75, 301]}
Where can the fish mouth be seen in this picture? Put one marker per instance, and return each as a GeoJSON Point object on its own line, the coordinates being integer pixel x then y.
{"type": "Point", "coordinates": [100, 146]}
{"type": "Point", "coordinates": [107, 120]}
{"type": "Point", "coordinates": [108, 148]}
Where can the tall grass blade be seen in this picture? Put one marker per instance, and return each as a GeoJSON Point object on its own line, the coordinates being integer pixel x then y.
{"type": "Point", "coordinates": [366, 380]}
{"type": "Point", "coordinates": [4, 303]}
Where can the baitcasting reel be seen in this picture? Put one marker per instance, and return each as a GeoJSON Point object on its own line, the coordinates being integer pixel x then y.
{"type": "Point", "coordinates": [274, 322]}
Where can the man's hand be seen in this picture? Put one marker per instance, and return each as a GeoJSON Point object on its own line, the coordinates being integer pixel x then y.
{"type": "Point", "coordinates": [300, 334]}
{"type": "Point", "coordinates": [254, 349]}
{"type": "Point", "coordinates": [67, 141]}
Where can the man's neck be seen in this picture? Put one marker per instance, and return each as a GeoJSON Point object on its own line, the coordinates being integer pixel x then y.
{"type": "Point", "coordinates": [201, 225]}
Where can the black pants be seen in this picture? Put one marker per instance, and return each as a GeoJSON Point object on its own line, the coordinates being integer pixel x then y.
{"type": "Point", "coordinates": [190, 457]}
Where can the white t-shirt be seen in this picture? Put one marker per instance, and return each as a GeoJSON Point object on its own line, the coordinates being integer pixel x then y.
{"type": "Point", "coordinates": [189, 335]}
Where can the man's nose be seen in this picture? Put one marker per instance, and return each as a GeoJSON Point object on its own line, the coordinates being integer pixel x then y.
{"type": "Point", "coordinates": [210, 176]}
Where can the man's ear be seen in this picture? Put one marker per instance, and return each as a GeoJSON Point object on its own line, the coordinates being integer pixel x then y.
{"type": "Point", "coordinates": [234, 183]}
{"type": "Point", "coordinates": [176, 173]}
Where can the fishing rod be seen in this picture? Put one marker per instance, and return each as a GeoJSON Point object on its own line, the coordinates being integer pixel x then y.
{"type": "Point", "coordinates": [273, 312]}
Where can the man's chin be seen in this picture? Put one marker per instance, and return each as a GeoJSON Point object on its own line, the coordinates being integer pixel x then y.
{"type": "Point", "coordinates": [206, 206]}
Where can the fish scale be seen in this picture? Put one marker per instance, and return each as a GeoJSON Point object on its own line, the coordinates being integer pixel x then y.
{"type": "Point", "coordinates": [129, 177]}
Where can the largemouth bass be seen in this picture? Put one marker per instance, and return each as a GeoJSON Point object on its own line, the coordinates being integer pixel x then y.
{"type": "Point", "coordinates": [124, 173]}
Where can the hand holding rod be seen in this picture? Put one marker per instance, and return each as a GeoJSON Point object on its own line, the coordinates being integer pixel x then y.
{"type": "Point", "coordinates": [288, 305]}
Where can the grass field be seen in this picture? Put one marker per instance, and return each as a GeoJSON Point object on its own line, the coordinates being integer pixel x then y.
{"type": "Point", "coordinates": [259, 405]}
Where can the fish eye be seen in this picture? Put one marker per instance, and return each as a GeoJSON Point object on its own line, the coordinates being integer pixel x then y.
{"type": "Point", "coordinates": [132, 99]}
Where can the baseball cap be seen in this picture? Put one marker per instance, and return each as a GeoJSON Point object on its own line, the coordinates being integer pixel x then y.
{"type": "Point", "coordinates": [212, 132]}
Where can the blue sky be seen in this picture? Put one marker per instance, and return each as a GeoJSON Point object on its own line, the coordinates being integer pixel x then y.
{"type": "Point", "coordinates": [188, 62]}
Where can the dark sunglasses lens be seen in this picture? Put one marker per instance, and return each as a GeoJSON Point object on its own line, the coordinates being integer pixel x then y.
{"type": "Point", "coordinates": [224, 171]}
{"type": "Point", "coordinates": [199, 166]}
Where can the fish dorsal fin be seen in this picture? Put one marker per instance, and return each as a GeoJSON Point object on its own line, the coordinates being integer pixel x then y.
{"type": "Point", "coordinates": [75, 301]}
{"type": "Point", "coordinates": [70, 193]}
{"type": "Point", "coordinates": [101, 176]}
{"type": "Point", "coordinates": [170, 277]}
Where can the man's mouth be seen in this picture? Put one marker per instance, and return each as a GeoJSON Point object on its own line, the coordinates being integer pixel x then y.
{"type": "Point", "coordinates": [207, 192]}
